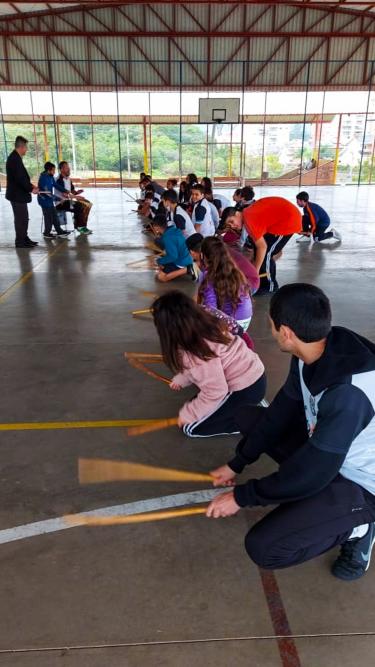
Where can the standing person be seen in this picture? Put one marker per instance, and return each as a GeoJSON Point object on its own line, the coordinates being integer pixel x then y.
{"type": "Point", "coordinates": [315, 221]}
{"type": "Point", "coordinates": [201, 215]}
{"type": "Point", "coordinates": [81, 207]}
{"type": "Point", "coordinates": [320, 429]}
{"type": "Point", "coordinates": [270, 222]}
{"type": "Point", "coordinates": [222, 284]}
{"type": "Point", "coordinates": [177, 215]}
{"type": "Point", "coordinates": [46, 183]}
{"type": "Point", "coordinates": [200, 350]}
{"type": "Point", "coordinates": [18, 191]}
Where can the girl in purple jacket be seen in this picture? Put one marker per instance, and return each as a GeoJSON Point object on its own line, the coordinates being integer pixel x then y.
{"type": "Point", "coordinates": [223, 285]}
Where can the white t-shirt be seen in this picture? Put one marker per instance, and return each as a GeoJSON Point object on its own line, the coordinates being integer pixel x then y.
{"type": "Point", "coordinates": [183, 221]}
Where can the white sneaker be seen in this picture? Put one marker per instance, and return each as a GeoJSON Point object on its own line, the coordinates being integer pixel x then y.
{"type": "Point", "coordinates": [303, 239]}
{"type": "Point", "coordinates": [336, 234]}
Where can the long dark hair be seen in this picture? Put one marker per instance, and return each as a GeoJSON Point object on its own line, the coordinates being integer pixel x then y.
{"type": "Point", "coordinates": [183, 326]}
{"type": "Point", "coordinates": [228, 281]}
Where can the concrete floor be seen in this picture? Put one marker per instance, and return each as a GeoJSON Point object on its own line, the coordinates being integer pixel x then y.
{"type": "Point", "coordinates": [173, 593]}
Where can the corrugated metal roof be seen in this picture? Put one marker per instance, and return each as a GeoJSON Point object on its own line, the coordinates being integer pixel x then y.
{"type": "Point", "coordinates": [282, 44]}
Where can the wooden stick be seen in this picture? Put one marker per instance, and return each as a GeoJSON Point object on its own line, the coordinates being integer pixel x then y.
{"type": "Point", "coordinates": [136, 363]}
{"type": "Point", "coordinates": [141, 261]}
{"type": "Point", "coordinates": [141, 312]}
{"type": "Point", "coordinates": [94, 471]}
{"type": "Point", "coordinates": [151, 294]}
{"type": "Point", "coordinates": [154, 248]}
{"type": "Point", "coordinates": [157, 425]}
{"type": "Point", "coordinates": [143, 355]}
{"type": "Point", "coordinates": [74, 520]}
{"type": "Point", "coordinates": [263, 275]}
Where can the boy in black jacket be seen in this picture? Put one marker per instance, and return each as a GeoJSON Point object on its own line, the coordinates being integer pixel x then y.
{"type": "Point", "coordinates": [320, 429]}
{"type": "Point", "coordinates": [18, 191]}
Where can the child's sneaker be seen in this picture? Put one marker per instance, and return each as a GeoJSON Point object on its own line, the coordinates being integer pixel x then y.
{"type": "Point", "coordinates": [303, 239]}
{"type": "Point", "coordinates": [336, 234]}
{"type": "Point", "coordinates": [83, 230]}
{"type": "Point", "coordinates": [49, 236]}
{"type": "Point", "coordinates": [63, 235]}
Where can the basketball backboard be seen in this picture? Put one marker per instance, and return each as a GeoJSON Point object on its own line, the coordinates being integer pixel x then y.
{"type": "Point", "coordinates": [219, 110]}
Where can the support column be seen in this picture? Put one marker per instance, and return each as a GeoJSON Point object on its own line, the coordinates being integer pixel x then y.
{"type": "Point", "coordinates": [45, 139]}
{"type": "Point", "coordinates": [145, 155]}
{"type": "Point", "coordinates": [337, 151]}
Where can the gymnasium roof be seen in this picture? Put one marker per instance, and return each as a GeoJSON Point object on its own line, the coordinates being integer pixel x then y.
{"type": "Point", "coordinates": [322, 45]}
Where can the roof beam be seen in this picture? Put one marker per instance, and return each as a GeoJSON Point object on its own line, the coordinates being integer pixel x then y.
{"type": "Point", "coordinates": [191, 33]}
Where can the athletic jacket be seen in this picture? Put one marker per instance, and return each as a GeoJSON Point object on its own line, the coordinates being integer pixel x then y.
{"type": "Point", "coordinates": [47, 183]}
{"type": "Point", "coordinates": [182, 220]}
{"type": "Point", "coordinates": [19, 186]}
{"type": "Point", "coordinates": [314, 217]}
{"type": "Point", "coordinates": [202, 216]}
{"type": "Point", "coordinates": [337, 394]}
{"type": "Point", "coordinates": [176, 252]}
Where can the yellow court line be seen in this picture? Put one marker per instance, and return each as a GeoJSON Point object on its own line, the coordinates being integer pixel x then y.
{"type": "Point", "coordinates": [28, 275]}
{"type": "Point", "coordinates": [46, 426]}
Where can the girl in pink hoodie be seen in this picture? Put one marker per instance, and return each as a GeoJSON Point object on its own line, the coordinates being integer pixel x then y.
{"type": "Point", "coordinates": [200, 350]}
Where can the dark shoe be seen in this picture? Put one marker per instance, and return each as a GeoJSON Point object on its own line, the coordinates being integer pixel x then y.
{"type": "Point", "coordinates": [49, 236]}
{"type": "Point", "coordinates": [355, 556]}
{"type": "Point", "coordinates": [25, 244]}
{"type": "Point", "coordinates": [32, 242]}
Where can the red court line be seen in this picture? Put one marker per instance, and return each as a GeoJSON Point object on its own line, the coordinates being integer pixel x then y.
{"type": "Point", "coordinates": [287, 648]}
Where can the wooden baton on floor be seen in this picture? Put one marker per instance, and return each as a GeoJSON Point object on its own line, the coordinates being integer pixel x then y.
{"type": "Point", "coordinates": [136, 363]}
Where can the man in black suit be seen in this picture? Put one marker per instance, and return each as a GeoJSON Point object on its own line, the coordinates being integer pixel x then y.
{"type": "Point", "coordinates": [18, 192]}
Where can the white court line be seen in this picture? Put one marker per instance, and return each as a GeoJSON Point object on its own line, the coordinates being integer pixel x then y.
{"type": "Point", "coordinates": [55, 525]}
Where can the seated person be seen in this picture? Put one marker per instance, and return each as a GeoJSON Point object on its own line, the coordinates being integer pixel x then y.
{"type": "Point", "coordinates": [221, 202]}
{"type": "Point", "coordinates": [315, 221]}
{"type": "Point", "coordinates": [46, 183]}
{"type": "Point", "coordinates": [200, 350]}
{"type": "Point", "coordinates": [194, 244]}
{"type": "Point", "coordinates": [247, 197]}
{"type": "Point", "coordinates": [201, 216]}
{"type": "Point", "coordinates": [176, 214]}
{"type": "Point", "coordinates": [80, 206]}
{"type": "Point", "coordinates": [184, 194]}
{"type": "Point", "coordinates": [172, 183]}
{"type": "Point", "coordinates": [176, 261]}
{"type": "Point", "coordinates": [208, 195]}
{"type": "Point", "coordinates": [237, 197]}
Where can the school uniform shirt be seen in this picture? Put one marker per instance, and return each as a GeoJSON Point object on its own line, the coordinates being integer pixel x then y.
{"type": "Point", "coordinates": [235, 367]}
{"type": "Point", "coordinates": [202, 216]}
{"type": "Point", "coordinates": [337, 395]}
{"type": "Point", "coordinates": [155, 204]}
{"type": "Point", "coordinates": [173, 243]}
{"type": "Point", "coordinates": [222, 200]}
{"type": "Point", "coordinates": [214, 214]}
{"type": "Point", "coordinates": [271, 215]}
{"type": "Point", "coordinates": [182, 220]}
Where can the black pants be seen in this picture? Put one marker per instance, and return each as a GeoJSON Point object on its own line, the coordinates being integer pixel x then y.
{"type": "Point", "coordinates": [51, 220]}
{"type": "Point", "coordinates": [21, 221]}
{"type": "Point", "coordinates": [296, 532]}
{"type": "Point", "coordinates": [274, 245]}
{"type": "Point", "coordinates": [320, 231]}
{"type": "Point", "coordinates": [80, 212]}
{"type": "Point", "coordinates": [224, 420]}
